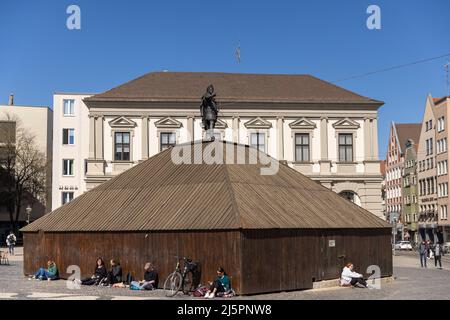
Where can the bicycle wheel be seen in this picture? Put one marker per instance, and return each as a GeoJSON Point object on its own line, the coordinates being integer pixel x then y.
{"type": "Point", "coordinates": [188, 283]}
{"type": "Point", "coordinates": [173, 284]}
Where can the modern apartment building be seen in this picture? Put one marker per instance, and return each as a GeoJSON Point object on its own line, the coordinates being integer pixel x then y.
{"type": "Point", "coordinates": [325, 132]}
{"type": "Point", "coordinates": [400, 134]}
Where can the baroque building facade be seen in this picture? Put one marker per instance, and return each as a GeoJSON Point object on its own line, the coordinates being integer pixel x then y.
{"type": "Point", "coordinates": [326, 132]}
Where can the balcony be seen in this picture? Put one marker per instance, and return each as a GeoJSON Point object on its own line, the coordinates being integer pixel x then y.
{"type": "Point", "coordinates": [428, 216]}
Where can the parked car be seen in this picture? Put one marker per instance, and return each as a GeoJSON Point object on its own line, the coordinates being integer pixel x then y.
{"type": "Point", "coordinates": [403, 245]}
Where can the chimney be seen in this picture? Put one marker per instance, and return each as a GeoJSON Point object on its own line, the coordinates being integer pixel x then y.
{"type": "Point", "coordinates": [11, 100]}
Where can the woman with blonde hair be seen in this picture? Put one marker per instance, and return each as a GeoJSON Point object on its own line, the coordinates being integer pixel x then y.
{"type": "Point", "coordinates": [150, 281]}
{"type": "Point", "coordinates": [51, 273]}
{"type": "Point", "coordinates": [351, 278]}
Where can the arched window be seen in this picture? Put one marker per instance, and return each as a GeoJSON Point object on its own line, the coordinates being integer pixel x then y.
{"type": "Point", "coordinates": [351, 196]}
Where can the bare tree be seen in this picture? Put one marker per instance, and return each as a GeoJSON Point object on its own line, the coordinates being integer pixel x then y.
{"type": "Point", "coordinates": [23, 170]}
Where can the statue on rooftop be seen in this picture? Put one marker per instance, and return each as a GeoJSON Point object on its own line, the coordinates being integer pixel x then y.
{"type": "Point", "coordinates": [209, 112]}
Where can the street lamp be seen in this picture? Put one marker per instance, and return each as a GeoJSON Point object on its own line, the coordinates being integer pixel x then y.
{"type": "Point", "coordinates": [28, 211]}
{"type": "Point", "coordinates": [393, 219]}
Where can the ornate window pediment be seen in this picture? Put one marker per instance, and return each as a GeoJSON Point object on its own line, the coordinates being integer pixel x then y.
{"type": "Point", "coordinates": [346, 124]}
{"type": "Point", "coordinates": [168, 123]}
{"type": "Point", "coordinates": [258, 123]}
{"type": "Point", "coordinates": [122, 122]}
{"type": "Point", "coordinates": [302, 123]}
{"type": "Point", "coordinates": [220, 124]}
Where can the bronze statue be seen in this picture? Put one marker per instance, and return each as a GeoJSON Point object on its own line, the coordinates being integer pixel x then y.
{"type": "Point", "coordinates": [209, 112]}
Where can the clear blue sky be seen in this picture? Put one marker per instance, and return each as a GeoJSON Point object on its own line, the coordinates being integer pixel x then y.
{"type": "Point", "coordinates": [121, 40]}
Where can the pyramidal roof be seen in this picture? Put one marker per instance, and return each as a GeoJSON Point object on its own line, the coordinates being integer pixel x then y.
{"type": "Point", "coordinates": [160, 194]}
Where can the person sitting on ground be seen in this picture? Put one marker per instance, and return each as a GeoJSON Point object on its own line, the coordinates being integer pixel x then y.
{"type": "Point", "coordinates": [114, 275]}
{"type": "Point", "coordinates": [349, 277]}
{"type": "Point", "coordinates": [150, 281]}
{"type": "Point", "coordinates": [220, 285]}
{"type": "Point", "coordinates": [51, 273]}
{"type": "Point", "coordinates": [99, 274]}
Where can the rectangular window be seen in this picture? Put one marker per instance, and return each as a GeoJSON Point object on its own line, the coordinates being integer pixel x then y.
{"type": "Point", "coordinates": [68, 167]}
{"type": "Point", "coordinates": [68, 136]}
{"type": "Point", "coordinates": [345, 147]}
{"type": "Point", "coordinates": [69, 108]}
{"type": "Point", "coordinates": [167, 140]}
{"type": "Point", "coordinates": [302, 147]}
{"type": "Point", "coordinates": [67, 197]}
{"type": "Point", "coordinates": [122, 146]}
{"type": "Point", "coordinates": [431, 145]}
{"type": "Point", "coordinates": [258, 141]}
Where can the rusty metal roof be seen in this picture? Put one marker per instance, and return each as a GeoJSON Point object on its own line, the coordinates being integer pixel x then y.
{"type": "Point", "coordinates": [189, 86]}
{"type": "Point", "coordinates": [159, 194]}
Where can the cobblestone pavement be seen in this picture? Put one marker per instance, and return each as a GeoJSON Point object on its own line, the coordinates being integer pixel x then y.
{"type": "Point", "coordinates": [411, 282]}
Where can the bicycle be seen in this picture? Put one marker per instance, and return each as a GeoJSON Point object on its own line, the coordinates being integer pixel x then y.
{"type": "Point", "coordinates": [180, 279]}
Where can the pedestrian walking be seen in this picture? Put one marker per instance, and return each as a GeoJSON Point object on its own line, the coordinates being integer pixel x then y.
{"type": "Point", "coordinates": [423, 252]}
{"type": "Point", "coordinates": [438, 252]}
{"type": "Point", "coordinates": [428, 249]}
{"type": "Point", "coordinates": [11, 242]}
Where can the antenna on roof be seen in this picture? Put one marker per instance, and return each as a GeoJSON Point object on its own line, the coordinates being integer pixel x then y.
{"type": "Point", "coordinates": [238, 52]}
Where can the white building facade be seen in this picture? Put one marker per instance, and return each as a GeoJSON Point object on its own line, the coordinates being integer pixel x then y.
{"type": "Point", "coordinates": [330, 135]}
{"type": "Point", "coordinates": [70, 147]}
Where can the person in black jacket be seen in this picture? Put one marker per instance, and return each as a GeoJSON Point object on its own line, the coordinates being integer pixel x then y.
{"type": "Point", "coordinates": [114, 275]}
{"type": "Point", "coordinates": [99, 274]}
{"type": "Point", "coordinates": [150, 281]}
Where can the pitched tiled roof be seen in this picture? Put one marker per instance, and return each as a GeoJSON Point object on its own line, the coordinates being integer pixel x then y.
{"type": "Point", "coordinates": [158, 194]}
{"type": "Point", "coordinates": [189, 86]}
{"type": "Point", "coordinates": [407, 131]}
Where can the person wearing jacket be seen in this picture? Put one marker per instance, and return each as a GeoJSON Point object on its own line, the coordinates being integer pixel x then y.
{"type": "Point", "coordinates": [99, 274]}
{"type": "Point", "coordinates": [51, 273]}
{"type": "Point", "coordinates": [11, 242]}
{"type": "Point", "coordinates": [150, 281]}
{"type": "Point", "coordinates": [349, 277]}
{"type": "Point", "coordinates": [114, 275]}
{"type": "Point", "coordinates": [438, 252]}
{"type": "Point", "coordinates": [221, 284]}
{"type": "Point", "coordinates": [423, 252]}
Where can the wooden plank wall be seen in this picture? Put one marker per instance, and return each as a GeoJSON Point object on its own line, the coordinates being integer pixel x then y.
{"type": "Point", "coordinates": [133, 250]}
{"type": "Point", "coordinates": [281, 260]}
{"type": "Point", "coordinates": [269, 260]}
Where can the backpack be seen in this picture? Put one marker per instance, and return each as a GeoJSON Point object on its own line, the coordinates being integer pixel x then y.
{"type": "Point", "coordinates": [200, 292]}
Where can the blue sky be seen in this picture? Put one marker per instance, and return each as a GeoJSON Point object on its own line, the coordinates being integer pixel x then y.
{"type": "Point", "coordinates": [121, 40]}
